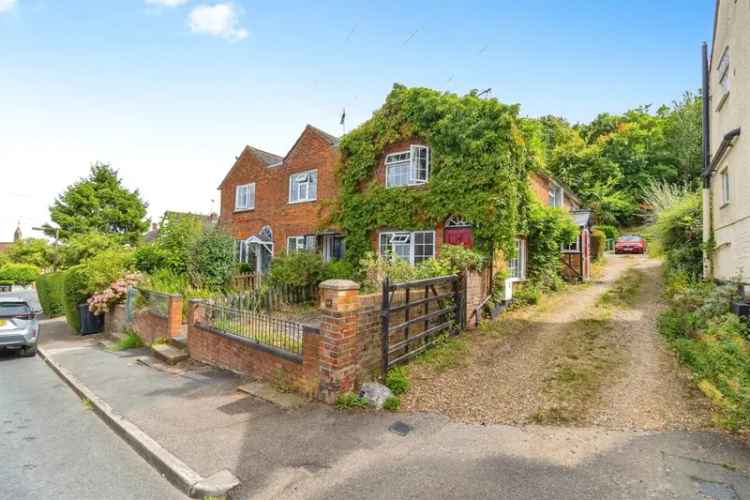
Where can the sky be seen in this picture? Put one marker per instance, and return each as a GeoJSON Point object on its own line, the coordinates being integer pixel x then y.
{"type": "Point", "coordinates": [170, 91]}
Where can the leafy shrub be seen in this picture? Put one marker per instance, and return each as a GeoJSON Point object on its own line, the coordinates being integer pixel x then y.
{"type": "Point", "coordinates": [150, 258]}
{"type": "Point", "coordinates": [74, 286]}
{"type": "Point", "coordinates": [297, 269]}
{"type": "Point", "coordinates": [392, 403]}
{"type": "Point", "coordinates": [339, 269]}
{"type": "Point", "coordinates": [349, 400]}
{"type": "Point", "coordinates": [528, 293]}
{"type": "Point", "coordinates": [548, 229]}
{"type": "Point", "coordinates": [178, 235]}
{"type": "Point", "coordinates": [101, 301]}
{"type": "Point", "coordinates": [19, 274]}
{"type": "Point", "coordinates": [679, 230]}
{"type": "Point", "coordinates": [211, 260]}
{"type": "Point", "coordinates": [397, 380]}
{"type": "Point", "coordinates": [245, 268]}
{"type": "Point", "coordinates": [611, 232]}
{"type": "Point", "coordinates": [34, 251]}
{"type": "Point", "coordinates": [80, 247]}
{"type": "Point", "coordinates": [461, 258]}
{"type": "Point", "coordinates": [712, 341]}
{"type": "Point", "coordinates": [50, 290]}
{"type": "Point", "coordinates": [598, 242]}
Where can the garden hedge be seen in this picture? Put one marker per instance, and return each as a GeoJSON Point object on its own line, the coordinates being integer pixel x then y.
{"type": "Point", "coordinates": [19, 274]}
{"type": "Point", "coordinates": [50, 289]}
{"type": "Point", "coordinates": [598, 242]}
{"type": "Point", "coordinates": [74, 284]}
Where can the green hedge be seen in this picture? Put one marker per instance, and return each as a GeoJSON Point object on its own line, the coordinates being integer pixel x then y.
{"type": "Point", "coordinates": [50, 289]}
{"type": "Point", "coordinates": [598, 242]}
{"type": "Point", "coordinates": [19, 274]}
{"type": "Point", "coordinates": [611, 232]}
{"type": "Point", "coordinates": [74, 283]}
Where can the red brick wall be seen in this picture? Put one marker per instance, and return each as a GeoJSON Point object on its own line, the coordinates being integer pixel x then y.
{"type": "Point", "coordinates": [149, 326]}
{"type": "Point", "coordinates": [272, 205]}
{"type": "Point", "coordinates": [240, 356]}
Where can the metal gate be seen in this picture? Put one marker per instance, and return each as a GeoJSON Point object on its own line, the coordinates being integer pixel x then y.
{"type": "Point", "coordinates": [415, 313]}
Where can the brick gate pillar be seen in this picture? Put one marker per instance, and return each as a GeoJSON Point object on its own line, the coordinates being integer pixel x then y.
{"type": "Point", "coordinates": [174, 316]}
{"type": "Point", "coordinates": [339, 304]}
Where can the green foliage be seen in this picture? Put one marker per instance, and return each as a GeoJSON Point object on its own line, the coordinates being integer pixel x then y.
{"type": "Point", "coordinates": [460, 258]}
{"type": "Point", "coordinates": [19, 274]}
{"type": "Point", "coordinates": [173, 247]}
{"type": "Point", "coordinates": [480, 160]}
{"type": "Point", "coordinates": [297, 269]}
{"type": "Point", "coordinates": [392, 403]}
{"type": "Point", "coordinates": [339, 269]}
{"type": "Point", "coordinates": [712, 341]}
{"type": "Point", "coordinates": [34, 251]}
{"type": "Point", "coordinates": [397, 380]}
{"type": "Point", "coordinates": [611, 160]}
{"type": "Point", "coordinates": [679, 230]}
{"type": "Point", "coordinates": [350, 400]}
{"type": "Point", "coordinates": [92, 275]}
{"type": "Point", "coordinates": [598, 242]}
{"type": "Point", "coordinates": [528, 293]}
{"type": "Point", "coordinates": [100, 203]}
{"type": "Point", "coordinates": [130, 341]}
{"type": "Point", "coordinates": [610, 232]}
{"type": "Point", "coordinates": [50, 289]}
{"type": "Point", "coordinates": [548, 229]}
{"type": "Point", "coordinates": [211, 261]}
{"type": "Point", "coordinates": [80, 247]}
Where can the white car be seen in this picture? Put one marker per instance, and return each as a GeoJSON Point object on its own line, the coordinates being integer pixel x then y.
{"type": "Point", "coordinates": [19, 328]}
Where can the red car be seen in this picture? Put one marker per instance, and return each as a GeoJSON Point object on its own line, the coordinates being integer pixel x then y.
{"type": "Point", "coordinates": [630, 244]}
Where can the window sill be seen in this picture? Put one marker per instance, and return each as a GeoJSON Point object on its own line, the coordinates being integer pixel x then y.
{"type": "Point", "coordinates": [302, 201]}
{"type": "Point", "coordinates": [241, 210]}
{"type": "Point", "coordinates": [725, 205]}
{"type": "Point", "coordinates": [406, 186]}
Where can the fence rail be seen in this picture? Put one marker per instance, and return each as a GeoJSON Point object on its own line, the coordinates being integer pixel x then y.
{"type": "Point", "coordinates": [259, 328]}
{"type": "Point", "coordinates": [269, 299]}
{"type": "Point", "coordinates": [247, 281]}
{"type": "Point", "coordinates": [156, 303]}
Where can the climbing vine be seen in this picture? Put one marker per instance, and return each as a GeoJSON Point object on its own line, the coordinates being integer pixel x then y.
{"type": "Point", "coordinates": [480, 158]}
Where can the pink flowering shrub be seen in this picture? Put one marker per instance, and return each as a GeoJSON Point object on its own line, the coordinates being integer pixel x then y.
{"type": "Point", "coordinates": [114, 294]}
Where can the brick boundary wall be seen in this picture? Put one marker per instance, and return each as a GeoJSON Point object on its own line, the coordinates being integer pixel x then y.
{"type": "Point", "coordinates": [150, 326]}
{"type": "Point", "coordinates": [245, 357]}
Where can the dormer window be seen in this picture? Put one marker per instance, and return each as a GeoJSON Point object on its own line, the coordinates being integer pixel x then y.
{"type": "Point", "coordinates": [303, 186]}
{"type": "Point", "coordinates": [408, 168]}
{"type": "Point", "coordinates": [245, 197]}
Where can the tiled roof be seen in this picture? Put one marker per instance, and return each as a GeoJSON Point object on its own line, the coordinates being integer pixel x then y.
{"type": "Point", "coordinates": [265, 156]}
{"type": "Point", "coordinates": [332, 139]}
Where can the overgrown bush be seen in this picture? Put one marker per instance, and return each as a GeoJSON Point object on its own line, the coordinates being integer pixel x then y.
{"type": "Point", "coordinates": [211, 260]}
{"type": "Point", "coordinates": [339, 269]}
{"type": "Point", "coordinates": [74, 286]}
{"type": "Point", "coordinates": [19, 274]}
{"type": "Point", "coordinates": [51, 293]}
{"type": "Point", "coordinates": [80, 247]}
{"type": "Point", "coordinates": [598, 242]}
{"type": "Point", "coordinates": [297, 269]}
{"type": "Point", "coordinates": [548, 229]}
{"type": "Point", "coordinates": [350, 400]}
{"type": "Point", "coordinates": [679, 230]}
{"type": "Point", "coordinates": [611, 232]}
{"type": "Point", "coordinates": [34, 251]}
{"type": "Point", "coordinates": [712, 341]}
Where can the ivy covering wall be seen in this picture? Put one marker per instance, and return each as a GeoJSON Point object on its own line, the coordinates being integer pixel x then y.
{"type": "Point", "coordinates": [479, 169]}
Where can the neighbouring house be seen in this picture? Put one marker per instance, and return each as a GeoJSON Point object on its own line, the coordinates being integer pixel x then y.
{"type": "Point", "coordinates": [726, 171]}
{"type": "Point", "coordinates": [272, 204]}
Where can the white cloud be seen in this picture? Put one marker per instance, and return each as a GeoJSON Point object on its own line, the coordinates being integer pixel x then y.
{"type": "Point", "coordinates": [165, 3]}
{"type": "Point", "coordinates": [220, 20]}
{"type": "Point", "coordinates": [6, 5]}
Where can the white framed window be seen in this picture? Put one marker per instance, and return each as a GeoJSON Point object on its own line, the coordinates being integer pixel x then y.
{"type": "Point", "coordinates": [725, 187]}
{"type": "Point", "coordinates": [517, 263]}
{"type": "Point", "coordinates": [244, 197]}
{"type": "Point", "coordinates": [724, 75]}
{"type": "Point", "coordinates": [408, 168]}
{"type": "Point", "coordinates": [300, 243]}
{"type": "Point", "coordinates": [413, 247]}
{"type": "Point", "coordinates": [303, 186]}
{"type": "Point", "coordinates": [555, 195]}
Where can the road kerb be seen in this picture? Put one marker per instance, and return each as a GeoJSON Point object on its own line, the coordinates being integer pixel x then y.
{"type": "Point", "coordinates": [175, 470]}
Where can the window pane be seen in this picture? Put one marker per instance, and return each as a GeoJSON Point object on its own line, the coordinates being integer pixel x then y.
{"type": "Point", "coordinates": [398, 174]}
{"type": "Point", "coordinates": [424, 246]}
{"type": "Point", "coordinates": [385, 243]}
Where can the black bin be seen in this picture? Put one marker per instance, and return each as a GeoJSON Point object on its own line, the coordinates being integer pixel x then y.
{"type": "Point", "coordinates": [90, 323]}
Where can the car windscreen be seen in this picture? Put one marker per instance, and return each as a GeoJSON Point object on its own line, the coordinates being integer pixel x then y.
{"type": "Point", "coordinates": [14, 310]}
{"type": "Point", "coordinates": [629, 238]}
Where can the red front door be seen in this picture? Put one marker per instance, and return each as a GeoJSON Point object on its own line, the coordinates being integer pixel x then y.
{"type": "Point", "coordinates": [459, 236]}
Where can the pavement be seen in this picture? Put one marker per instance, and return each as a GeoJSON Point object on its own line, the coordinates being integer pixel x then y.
{"type": "Point", "coordinates": [315, 451]}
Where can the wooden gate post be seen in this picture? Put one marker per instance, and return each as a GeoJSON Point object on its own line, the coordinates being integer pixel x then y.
{"type": "Point", "coordinates": [339, 303]}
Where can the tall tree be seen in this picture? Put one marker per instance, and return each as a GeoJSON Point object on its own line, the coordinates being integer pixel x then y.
{"type": "Point", "coordinates": [684, 137]}
{"type": "Point", "coordinates": [100, 203]}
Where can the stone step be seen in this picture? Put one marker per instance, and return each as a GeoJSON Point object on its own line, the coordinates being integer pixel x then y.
{"type": "Point", "coordinates": [169, 354]}
{"type": "Point", "coordinates": [180, 342]}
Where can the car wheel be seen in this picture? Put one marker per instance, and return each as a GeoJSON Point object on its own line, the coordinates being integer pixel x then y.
{"type": "Point", "coordinates": [28, 352]}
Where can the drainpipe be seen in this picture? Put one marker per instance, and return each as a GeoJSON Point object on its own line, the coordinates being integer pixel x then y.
{"type": "Point", "coordinates": [708, 212]}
